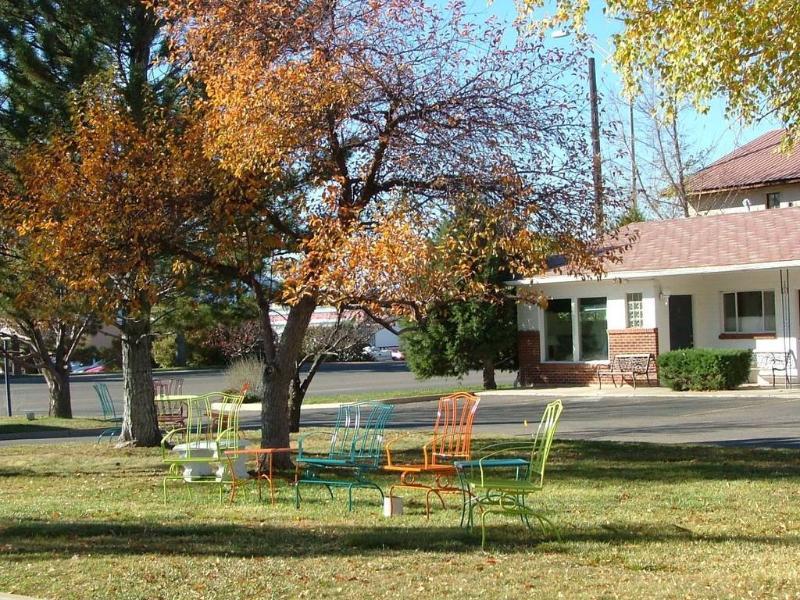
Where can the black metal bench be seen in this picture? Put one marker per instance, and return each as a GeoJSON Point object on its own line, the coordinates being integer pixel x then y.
{"type": "Point", "coordinates": [627, 365]}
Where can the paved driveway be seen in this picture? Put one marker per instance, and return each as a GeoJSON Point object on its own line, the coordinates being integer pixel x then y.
{"type": "Point", "coordinates": [30, 393]}
{"type": "Point", "coordinates": [743, 420]}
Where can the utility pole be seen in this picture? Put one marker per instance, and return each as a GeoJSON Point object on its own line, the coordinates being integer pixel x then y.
{"type": "Point", "coordinates": [597, 174]}
{"type": "Point", "coordinates": [634, 194]}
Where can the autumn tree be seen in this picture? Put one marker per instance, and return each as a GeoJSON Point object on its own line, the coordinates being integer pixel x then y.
{"type": "Point", "coordinates": [354, 129]}
{"type": "Point", "coordinates": [48, 323]}
{"type": "Point", "coordinates": [745, 52]}
{"type": "Point", "coordinates": [47, 51]}
{"type": "Point", "coordinates": [478, 331]}
{"type": "Point", "coordinates": [104, 194]}
{"type": "Point", "coordinates": [343, 340]}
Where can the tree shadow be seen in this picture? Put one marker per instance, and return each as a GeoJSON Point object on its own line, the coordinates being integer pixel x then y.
{"type": "Point", "coordinates": [626, 461]}
{"type": "Point", "coordinates": [43, 540]}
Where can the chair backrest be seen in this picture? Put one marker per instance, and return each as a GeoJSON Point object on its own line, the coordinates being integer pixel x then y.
{"type": "Point", "coordinates": [195, 425]}
{"type": "Point", "coordinates": [452, 433]}
{"type": "Point", "coordinates": [358, 433]}
{"type": "Point", "coordinates": [636, 363]}
{"type": "Point", "coordinates": [109, 412]}
{"type": "Point", "coordinates": [223, 410]}
{"type": "Point", "coordinates": [543, 440]}
{"type": "Point", "coordinates": [175, 386]}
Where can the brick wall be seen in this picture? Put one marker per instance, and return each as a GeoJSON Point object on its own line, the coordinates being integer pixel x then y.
{"type": "Point", "coordinates": [632, 341]}
{"type": "Point", "coordinates": [620, 341]}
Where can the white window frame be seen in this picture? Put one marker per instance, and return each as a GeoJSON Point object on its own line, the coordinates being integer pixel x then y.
{"type": "Point", "coordinates": [736, 293]}
{"type": "Point", "coordinates": [543, 336]}
{"type": "Point", "coordinates": [577, 350]}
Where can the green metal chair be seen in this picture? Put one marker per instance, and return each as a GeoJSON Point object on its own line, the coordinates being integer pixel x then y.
{"type": "Point", "coordinates": [211, 427]}
{"type": "Point", "coordinates": [509, 495]}
{"type": "Point", "coordinates": [355, 450]}
{"type": "Point", "coordinates": [109, 412]}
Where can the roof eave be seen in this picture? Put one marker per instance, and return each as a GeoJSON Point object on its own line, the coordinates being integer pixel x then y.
{"type": "Point", "coordinates": [650, 273]}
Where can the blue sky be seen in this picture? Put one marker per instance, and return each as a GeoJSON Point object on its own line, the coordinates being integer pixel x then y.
{"type": "Point", "coordinates": [712, 130]}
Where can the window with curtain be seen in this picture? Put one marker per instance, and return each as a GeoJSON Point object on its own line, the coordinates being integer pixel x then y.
{"type": "Point", "coordinates": [749, 312]}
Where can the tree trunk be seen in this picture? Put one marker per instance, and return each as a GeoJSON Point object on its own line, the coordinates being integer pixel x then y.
{"type": "Point", "coordinates": [278, 374]}
{"type": "Point", "coordinates": [58, 385]}
{"type": "Point", "coordinates": [488, 374]}
{"type": "Point", "coordinates": [297, 391]}
{"type": "Point", "coordinates": [180, 349]}
{"type": "Point", "coordinates": [296, 395]}
{"type": "Point", "coordinates": [139, 423]}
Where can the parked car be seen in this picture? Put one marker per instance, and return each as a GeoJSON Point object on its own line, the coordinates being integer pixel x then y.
{"type": "Point", "coordinates": [378, 354]}
{"type": "Point", "coordinates": [97, 366]}
{"type": "Point", "coordinates": [398, 354]}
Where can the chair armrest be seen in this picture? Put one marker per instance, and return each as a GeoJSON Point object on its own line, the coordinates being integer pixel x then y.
{"type": "Point", "coordinates": [488, 457]}
{"type": "Point", "coordinates": [167, 439]}
{"type": "Point", "coordinates": [388, 446]}
{"type": "Point", "coordinates": [310, 434]}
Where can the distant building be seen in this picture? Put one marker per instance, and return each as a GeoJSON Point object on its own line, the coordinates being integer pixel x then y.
{"type": "Point", "coordinates": [756, 176]}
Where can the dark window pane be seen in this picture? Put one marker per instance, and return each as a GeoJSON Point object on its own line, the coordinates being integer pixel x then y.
{"type": "Point", "coordinates": [558, 330]}
{"type": "Point", "coordinates": [593, 328]}
{"type": "Point", "coordinates": [769, 311]}
{"type": "Point", "coordinates": [751, 317]}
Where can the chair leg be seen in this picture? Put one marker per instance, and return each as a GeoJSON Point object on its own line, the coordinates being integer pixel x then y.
{"type": "Point", "coordinates": [483, 529]}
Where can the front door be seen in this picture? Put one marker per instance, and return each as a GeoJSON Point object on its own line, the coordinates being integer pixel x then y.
{"type": "Point", "coordinates": [681, 329]}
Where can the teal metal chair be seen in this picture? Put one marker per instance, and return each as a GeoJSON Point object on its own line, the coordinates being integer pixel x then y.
{"type": "Point", "coordinates": [109, 412]}
{"type": "Point", "coordinates": [355, 450]}
{"type": "Point", "coordinates": [191, 452]}
{"type": "Point", "coordinates": [510, 495]}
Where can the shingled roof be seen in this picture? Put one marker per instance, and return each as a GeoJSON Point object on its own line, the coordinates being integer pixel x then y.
{"type": "Point", "coordinates": [716, 243]}
{"type": "Point", "coordinates": [755, 164]}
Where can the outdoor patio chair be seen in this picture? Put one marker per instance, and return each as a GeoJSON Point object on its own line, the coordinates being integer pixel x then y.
{"type": "Point", "coordinates": [109, 412]}
{"type": "Point", "coordinates": [354, 451]}
{"type": "Point", "coordinates": [191, 451]}
{"type": "Point", "coordinates": [451, 441]}
{"type": "Point", "coordinates": [170, 408]}
{"type": "Point", "coordinates": [511, 495]}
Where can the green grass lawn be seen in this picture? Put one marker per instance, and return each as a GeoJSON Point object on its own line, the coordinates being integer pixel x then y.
{"type": "Point", "coordinates": [81, 520]}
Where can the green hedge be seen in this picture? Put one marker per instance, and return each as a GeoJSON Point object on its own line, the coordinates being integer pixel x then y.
{"type": "Point", "coordinates": [704, 369]}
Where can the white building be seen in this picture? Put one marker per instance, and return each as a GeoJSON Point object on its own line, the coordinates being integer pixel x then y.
{"type": "Point", "coordinates": [730, 279]}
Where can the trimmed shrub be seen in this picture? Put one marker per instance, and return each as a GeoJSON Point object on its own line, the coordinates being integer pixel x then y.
{"type": "Point", "coordinates": [703, 369]}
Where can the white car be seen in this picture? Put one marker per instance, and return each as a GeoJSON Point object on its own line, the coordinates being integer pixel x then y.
{"type": "Point", "coordinates": [378, 354]}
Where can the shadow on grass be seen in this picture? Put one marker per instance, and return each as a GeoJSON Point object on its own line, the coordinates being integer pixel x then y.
{"type": "Point", "coordinates": [666, 463]}
{"type": "Point", "coordinates": [43, 540]}
{"type": "Point", "coordinates": [32, 428]}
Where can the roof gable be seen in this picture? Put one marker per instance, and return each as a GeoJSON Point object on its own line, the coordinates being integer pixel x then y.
{"type": "Point", "coordinates": [755, 164]}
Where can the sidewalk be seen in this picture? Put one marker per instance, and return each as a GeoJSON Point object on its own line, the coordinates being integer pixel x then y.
{"type": "Point", "coordinates": [643, 391]}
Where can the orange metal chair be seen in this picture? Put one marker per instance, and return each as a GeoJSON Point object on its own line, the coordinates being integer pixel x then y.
{"type": "Point", "coordinates": [451, 440]}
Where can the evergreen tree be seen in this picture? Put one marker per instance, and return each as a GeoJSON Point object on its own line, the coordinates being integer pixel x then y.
{"type": "Point", "coordinates": [459, 337]}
